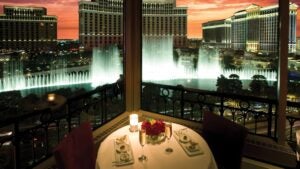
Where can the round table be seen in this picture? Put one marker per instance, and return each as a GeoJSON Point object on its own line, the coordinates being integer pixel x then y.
{"type": "Point", "coordinates": [157, 157]}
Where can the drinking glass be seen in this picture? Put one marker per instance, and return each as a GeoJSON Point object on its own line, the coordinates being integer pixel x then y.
{"type": "Point", "coordinates": [142, 139]}
{"type": "Point", "coordinates": [168, 132]}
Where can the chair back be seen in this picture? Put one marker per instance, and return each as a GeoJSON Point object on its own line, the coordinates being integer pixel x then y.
{"type": "Point", "coordinates": [226, 140]}
{"type": "Point", "coordinates": [76, 150]}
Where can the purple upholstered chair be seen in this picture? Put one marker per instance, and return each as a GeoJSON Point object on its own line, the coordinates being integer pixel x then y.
{"type": "Point", "coordinates": [76, 150]}
{"type": "Point", "coordinates": [226, 140]}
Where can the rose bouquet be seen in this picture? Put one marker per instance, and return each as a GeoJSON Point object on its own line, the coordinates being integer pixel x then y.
{"type": "Point", "coordinates": [153, 127]}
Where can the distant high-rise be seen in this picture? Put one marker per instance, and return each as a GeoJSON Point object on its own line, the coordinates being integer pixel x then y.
{"type": "Point", "coordinates": [254, 29]}
{"type": "Point", "coordinates": [27, 28]}
{"type": "Point", "coordinates": [101, 22]}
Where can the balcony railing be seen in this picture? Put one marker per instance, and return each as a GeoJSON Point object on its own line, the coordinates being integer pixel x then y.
{"type": "Point", "coordinates": [293, 121]}
{"type": "Point", "coordinates": [259, 115]}
{"type": "Point", "coordinates": [28, 139]}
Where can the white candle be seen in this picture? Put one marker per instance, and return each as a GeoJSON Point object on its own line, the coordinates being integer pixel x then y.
{"type": "Point", "coordinates": [133, 122]}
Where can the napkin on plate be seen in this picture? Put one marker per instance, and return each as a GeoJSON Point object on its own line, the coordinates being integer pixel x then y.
{"type": "Point", "coordinates": [123, 151]}
{"type": "Point", "coordinates": [191, 147]}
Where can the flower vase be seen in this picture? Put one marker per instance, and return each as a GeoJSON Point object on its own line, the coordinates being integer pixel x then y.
{"type": "Point", "coordinates": [155, 139]}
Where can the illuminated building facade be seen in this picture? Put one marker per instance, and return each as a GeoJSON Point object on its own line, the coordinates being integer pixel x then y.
{"type": "Point", "coordinates": [254, 29]}
{"type": "Point", "coordinates": [101, 22]}
{"type": "Point", "coordinates": [217, 33]}
{"type": "Point", "coordinates": [27, 28]}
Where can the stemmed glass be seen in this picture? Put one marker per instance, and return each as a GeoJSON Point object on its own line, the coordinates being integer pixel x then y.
{"type": "Point", "coordinates": [168, 132]}
{"type": "Point", "coordinates": [142, 138]}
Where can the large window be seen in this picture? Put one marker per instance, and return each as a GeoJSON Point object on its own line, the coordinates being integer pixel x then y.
{"type": "Point", "coordinates": [61, 63]}
{"type": "Point", "coordinates": [226, 46]}
{"type": "Point", "coordinates": [46, 49]}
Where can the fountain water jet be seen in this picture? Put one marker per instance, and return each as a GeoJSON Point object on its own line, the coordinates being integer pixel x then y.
{"type": "Point", "coordinates": [158, 64]}
{"type": "Point", "coordinates": [105, 68]}
{"type": "Point", "coordinates": [106, 65]}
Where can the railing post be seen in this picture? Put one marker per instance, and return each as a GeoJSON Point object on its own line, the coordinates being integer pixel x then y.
{"type": "Point", "coordinates": [68, 117]}
{"type": "Point", "coordinates": [270, 118]}
{"type": "Point", "coordinates": [222, 106]}
{"type": "Point", "coordinates": [104, 105]}
{"type": "Point", "coordinates": [182, 103]}
{"type": "Point", "coordinates": [17, 145]}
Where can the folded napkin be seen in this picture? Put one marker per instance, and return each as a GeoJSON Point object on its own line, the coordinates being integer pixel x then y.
{"type": "Point", "coordinates": [188, 145]}
{"type": "Point", "coordinates": [123, 151]}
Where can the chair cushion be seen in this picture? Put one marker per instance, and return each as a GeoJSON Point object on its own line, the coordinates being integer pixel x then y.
{"type": "Point", "coordinates": [77, 151]}
{"type": "Point", "coordinates": [63, 154]}
{"type": "Point", "coordinates": [225, 138]}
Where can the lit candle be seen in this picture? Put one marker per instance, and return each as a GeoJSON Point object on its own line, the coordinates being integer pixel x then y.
{"type": "Point", "coordinates": [133, 122]}
{"type": "Point", "coordinates": [51, 97]}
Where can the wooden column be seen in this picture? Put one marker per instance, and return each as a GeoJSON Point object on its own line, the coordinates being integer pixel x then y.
{"type": "Point", "coordinates": [282, 69]}
{"type": "Point", "coordinates": [133, 53]}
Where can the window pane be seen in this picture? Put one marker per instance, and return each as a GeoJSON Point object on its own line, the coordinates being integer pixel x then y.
{"type": "Point", "coordinates": [226, 46]}
{"type": "Point", "coordinates": [61, 63]}
{"type": "Point", "coordinates": [46, 49]}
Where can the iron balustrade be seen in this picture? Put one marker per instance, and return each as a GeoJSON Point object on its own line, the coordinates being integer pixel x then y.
{"type": "Point", "coordinates": [293, 121]}
{"type": "Point", "coordinates": [259, 115]}
{"type": "Point", "coordinates": [29, 138]}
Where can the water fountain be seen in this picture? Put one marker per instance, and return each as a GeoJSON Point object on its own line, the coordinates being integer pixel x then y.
{"type": "Point", "coordinates": [158, 66]}
{"type": "Point", "coordinates": [106, 65]}
{"type": "Point", "coordinates": [157, 59]}
{"type": "Point", "coordinates": [106, 68]}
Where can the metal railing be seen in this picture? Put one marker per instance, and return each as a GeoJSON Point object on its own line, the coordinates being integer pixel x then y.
{"type": "Point", "coordinates": [29, 138]}
{"type": "Point", "coordinates": [293, 121]}
{"type": "Point", "coordinates": [259, 115]}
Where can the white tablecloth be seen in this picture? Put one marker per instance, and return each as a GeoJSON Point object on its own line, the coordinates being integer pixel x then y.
{"type": "Point", "coordinates": [157, 157]}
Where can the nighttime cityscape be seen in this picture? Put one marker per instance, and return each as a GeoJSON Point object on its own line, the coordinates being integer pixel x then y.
{"type": "Point", "coordinates": [79, 53]}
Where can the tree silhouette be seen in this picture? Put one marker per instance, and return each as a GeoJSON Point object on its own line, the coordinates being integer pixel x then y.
{"type": "Point", "coordinates": [258, 85]}
{"type": "Point", "coordinates": [235, 84]}
{"type": "Point", "coordinates": [222, 84]}
{"type": "Point", "coordinates": [231, 85]}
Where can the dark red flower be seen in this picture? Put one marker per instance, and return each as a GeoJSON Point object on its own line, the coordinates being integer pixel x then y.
{"type": "Point", "coordinates": [153, 127]}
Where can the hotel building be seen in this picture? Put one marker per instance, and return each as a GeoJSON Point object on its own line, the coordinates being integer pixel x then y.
{"type": "Point", "coordinates": [101, 22]}
{"type": "Point", "coordinates": [27, 28]}
{"type": "Point", "coordinates": [254, 29]}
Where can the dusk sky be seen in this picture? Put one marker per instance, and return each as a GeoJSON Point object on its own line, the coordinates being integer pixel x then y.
{"type": "Point", "coordinates": [199, 11]}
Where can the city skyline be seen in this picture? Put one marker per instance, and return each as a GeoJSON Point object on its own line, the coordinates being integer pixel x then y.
{"type": "Point", "coordinates": [199, 11]}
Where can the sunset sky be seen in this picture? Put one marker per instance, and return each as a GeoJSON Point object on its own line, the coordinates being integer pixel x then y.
{"type": "Point", "coordinates": [199, 11]}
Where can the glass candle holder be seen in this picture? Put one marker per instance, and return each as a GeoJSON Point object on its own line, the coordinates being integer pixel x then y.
{"type": "Point", "coordinates": [133, 122]}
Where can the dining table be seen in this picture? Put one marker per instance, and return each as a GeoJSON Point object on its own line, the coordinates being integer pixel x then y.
{"type": "Point", "coordinates": [111, 155]}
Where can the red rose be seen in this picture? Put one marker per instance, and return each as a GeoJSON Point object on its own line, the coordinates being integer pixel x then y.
{"type": "Point", "coordinates": [157, 127]}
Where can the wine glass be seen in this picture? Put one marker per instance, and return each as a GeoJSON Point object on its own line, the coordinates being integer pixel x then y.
{"type": "Point", "coordinates": [142, 139]}
{"type": "Point", "coordinates": [168, 133]}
